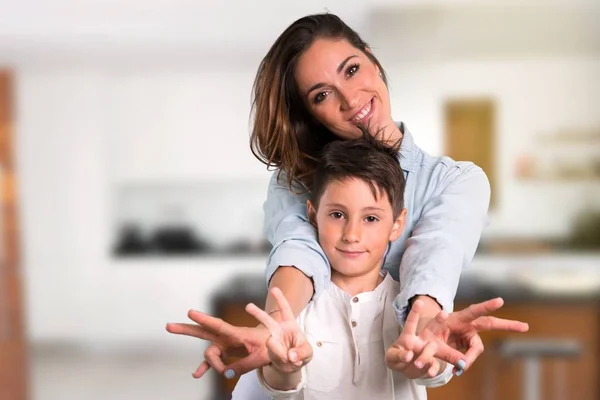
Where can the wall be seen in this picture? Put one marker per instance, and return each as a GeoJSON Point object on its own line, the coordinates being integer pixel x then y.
{"type": "Point", "coordinates": [532, 97]}
{"type": "Point", "coordinates": [82, 131]}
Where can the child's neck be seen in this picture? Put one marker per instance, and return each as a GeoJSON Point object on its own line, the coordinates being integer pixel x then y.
{"type": "Point", "coordinates": [354, 285]}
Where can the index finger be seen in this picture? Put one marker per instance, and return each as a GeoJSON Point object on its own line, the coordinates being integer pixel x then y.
{"type": "Point", "coordinates": [412, 320]}
{"type": "Point", "coordinates": [499, 324]}
{"type": "Point", "coordinates": [217, 325]}
{"type": "Point", "coordinates": [263, 318]}
{"type": "Point", "coordinates": [475, 311]}
{"type": "Point", "coordinates": [284, 306]}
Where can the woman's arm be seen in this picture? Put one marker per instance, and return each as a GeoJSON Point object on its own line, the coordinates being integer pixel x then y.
{"type": "Point", "coordinates": [296, 264]}
{"type": "Point", "coordinates": [444, 240]}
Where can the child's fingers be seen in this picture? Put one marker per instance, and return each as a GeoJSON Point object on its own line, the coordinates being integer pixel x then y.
{"type": "Point", "coordinates": [301, 354]}
{"type": "Point", "coordinates": [398, 357]}
{"type": "Point", "coordinates": [282, 303]}
{"type": "Point", "coordinates": [435, 369]}
{"type": "Point", "coordinates": [425, 359]}
{"type": "Point", "coordinates": [277, 349]}
{"type": "Point", "coordinates": [263, 318]}
{"type": "Point", "coordinates": [412, 320]}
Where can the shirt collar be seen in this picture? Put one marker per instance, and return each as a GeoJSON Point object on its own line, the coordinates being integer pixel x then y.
{"type": "Point", "coordinates": [407, 152]}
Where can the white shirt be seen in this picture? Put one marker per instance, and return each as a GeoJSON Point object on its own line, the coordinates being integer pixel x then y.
{"type": "Point", "coordinates": [349, 336]}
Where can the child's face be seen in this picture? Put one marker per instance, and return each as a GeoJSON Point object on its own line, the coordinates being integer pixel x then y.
{"type": "Point", "coordinates": [354, 227]}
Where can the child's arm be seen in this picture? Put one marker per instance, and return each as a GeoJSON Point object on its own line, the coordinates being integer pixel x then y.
{"type": "Point", "coordinates": [288, 350]}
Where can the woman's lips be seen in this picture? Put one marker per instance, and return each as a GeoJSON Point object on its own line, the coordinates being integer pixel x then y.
{"type": "Point", "coordinates": [365, 113]}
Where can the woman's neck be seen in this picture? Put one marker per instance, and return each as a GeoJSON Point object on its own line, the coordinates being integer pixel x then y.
{"type": "Point", "coordinates": [391, 134]}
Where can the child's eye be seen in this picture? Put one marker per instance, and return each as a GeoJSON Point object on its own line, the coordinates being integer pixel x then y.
{"type": "Point", "coordinates": [371, 218]}
{"type": "Point", "coordinates": [336, 215]}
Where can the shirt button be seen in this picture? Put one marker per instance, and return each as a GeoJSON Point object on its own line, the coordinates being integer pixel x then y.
{"type": "Point", "coordinates": [355, 299]}
{"type": "Point", "coordinates": [319, 344]}
{"type": "Point", "coordinates": [354, 324]}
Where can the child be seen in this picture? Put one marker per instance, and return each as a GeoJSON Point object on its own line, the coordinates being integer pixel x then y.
{"type": "Point", "coordinates": [358, 209]}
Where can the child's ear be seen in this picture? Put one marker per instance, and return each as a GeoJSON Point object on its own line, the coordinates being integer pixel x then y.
{"type": "Point", "coordinates": [398, 226]}
{"type": "Point", "coordinates": [312, 213]}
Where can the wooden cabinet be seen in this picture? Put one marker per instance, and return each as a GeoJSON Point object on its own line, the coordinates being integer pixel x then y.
{"type": "Point", "coordinates": [493, 377]}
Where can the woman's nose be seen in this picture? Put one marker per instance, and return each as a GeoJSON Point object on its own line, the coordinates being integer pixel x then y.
{"type": "Point", "coordinates": [349, 100]}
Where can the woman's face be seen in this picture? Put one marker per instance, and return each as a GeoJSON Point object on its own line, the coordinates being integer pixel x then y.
{"type": "Point", "coordinates": [342, 89]}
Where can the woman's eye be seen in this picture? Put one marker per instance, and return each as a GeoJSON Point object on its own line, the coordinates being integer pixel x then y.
{"type": "Point", "coordinates": [353, 69]}
{"type": "Point", "coordinates": [371, 218]}
{"type": "Point", "coordinates": [336, 215]}
{"type": "Point", "coordinates": [320, 97]}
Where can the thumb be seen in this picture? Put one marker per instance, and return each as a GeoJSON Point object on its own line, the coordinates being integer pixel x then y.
{"type": "Point", "coordinates": [301, 354]}
{"type": "Point", "coordinates": [245, 365]}
{"type": "Point", "coordinates": [446, 353]}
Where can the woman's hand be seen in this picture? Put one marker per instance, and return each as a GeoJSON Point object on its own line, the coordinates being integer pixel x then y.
{"type": "Point", "coordinates": [416, 353]}
{"type": "Point", "coordinates": [287, 346]}
{"type": "Point", "coordinates": [227, 340]}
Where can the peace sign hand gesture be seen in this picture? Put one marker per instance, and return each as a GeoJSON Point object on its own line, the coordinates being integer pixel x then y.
{"type": "Point", "coordinates": [287, 346]}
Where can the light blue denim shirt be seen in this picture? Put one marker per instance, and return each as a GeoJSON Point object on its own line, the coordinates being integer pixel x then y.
{"type": "Point", "coordinates": [447, 203]}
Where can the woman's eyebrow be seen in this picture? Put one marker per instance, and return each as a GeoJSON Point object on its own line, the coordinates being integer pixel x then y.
{"type": "Point", "coordinates": [339, 69]}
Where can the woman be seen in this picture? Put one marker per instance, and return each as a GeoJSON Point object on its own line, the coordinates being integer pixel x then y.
{"type": "Point", "coordinates": [319, 82]}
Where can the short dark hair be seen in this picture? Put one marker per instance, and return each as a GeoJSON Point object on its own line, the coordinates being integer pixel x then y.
{"type": "Point", "coordinates": [367, 158]}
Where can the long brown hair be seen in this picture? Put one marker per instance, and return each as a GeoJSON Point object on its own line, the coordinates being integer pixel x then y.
{"type": "Point", "coordinates": [284, 135]}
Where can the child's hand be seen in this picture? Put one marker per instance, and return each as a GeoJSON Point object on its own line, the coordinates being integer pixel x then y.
{"type": "Point", "coordinates": [412, 355]}
{"type": "Point", "coordinates": [287, 346]}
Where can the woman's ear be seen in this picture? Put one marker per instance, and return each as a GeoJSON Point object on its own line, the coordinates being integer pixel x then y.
{"type": "Point", "coordinates": [312, 213]}
{"type": "Point", "coordinates": [398, 226]}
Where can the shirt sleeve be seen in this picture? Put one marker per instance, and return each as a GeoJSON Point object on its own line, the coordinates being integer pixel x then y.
{"type": "Point", "coordinates": [293, 238]}
{"type": "Point", "coordinates": [439, 380]}
{"type": "Point", "coordinates": [292, 394]}
{"type": "Point", "coordinates": [445, 238]}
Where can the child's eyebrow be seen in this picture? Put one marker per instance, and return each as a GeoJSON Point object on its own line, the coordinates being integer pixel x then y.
{"type": "Point", "coordinates": [341, 206]}
{"type": "Point", "coordinates": [373, 209]}
{"type": "Point", "coordinates": [335, 205]}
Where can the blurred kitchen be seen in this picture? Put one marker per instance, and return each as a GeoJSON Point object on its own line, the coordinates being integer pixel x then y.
{"type": "Point", "coordinates": [130, 194]}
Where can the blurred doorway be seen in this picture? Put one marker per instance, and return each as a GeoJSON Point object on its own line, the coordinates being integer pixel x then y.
{"type": "Point", "coordinates": [469, 135]}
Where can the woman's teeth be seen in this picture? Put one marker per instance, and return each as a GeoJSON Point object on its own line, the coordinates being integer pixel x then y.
{"type": "Point", "coordinates": [363, 113]}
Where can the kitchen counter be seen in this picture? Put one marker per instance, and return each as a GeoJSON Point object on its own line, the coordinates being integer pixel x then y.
{"type": "Point", "coordinates": [561, 278]}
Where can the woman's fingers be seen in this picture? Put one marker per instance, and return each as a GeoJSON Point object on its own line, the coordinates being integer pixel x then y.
{"type": "Point", "coordinates": [263, 318]}
{"type": "Point", "coordinates": [212, 356]}
{"type": "Point", "coordinates": [446, 353]}
{"type": "Point", "coordinates": [212, 324]}
{"type": "Point", "coordinates": [201, 370]}
{"type": "Point", "coordinates": [191, 330]}
{"type": "Point", "coordinates": [282, 303]}
{"type": "Point", "coordinates": [475, 350]}
{"type": "Point", "coordinates": [244, 365]}
{"type": "Point", "coordinates": [499, 324]}
{"type": "Point", "coordinates": [475, 311]}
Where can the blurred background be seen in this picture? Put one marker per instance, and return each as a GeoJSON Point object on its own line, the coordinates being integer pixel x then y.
{"type": "Point", "coordinates": [129, 193]}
